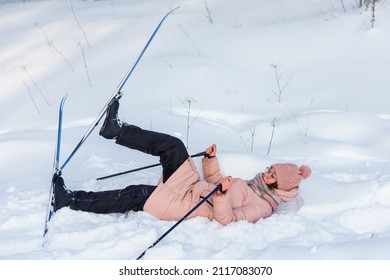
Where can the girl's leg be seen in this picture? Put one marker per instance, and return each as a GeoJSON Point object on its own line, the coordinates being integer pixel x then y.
{"type": "Point", "coordinates": [132, 198]}
{"type": "Point", "coordinates": [115, 201]}
{"type": "Point", "coordinates": [171, 150]}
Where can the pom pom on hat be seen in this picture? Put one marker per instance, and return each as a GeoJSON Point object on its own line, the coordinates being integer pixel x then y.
{"type": "Point", "coordinates": [289, 175]}
{"type": "Point", "coordinates": [305, 170]}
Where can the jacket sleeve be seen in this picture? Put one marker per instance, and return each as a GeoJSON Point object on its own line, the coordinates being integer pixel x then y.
{"type": "Point", "coordinates": [211, 170]}
{"type": "Point", "coordinates": [225, 214]}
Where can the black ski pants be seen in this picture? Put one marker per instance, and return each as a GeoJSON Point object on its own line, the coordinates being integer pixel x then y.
{"type": "Point", "coordinates": [172, 153]}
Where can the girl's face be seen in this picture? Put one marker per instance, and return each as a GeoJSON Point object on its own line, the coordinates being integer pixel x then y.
{"type": "Point", "coordinates": [269, 176]}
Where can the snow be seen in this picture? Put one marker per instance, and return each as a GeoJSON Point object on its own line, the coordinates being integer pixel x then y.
{"type": "Point", "coordinates": [333, 116]}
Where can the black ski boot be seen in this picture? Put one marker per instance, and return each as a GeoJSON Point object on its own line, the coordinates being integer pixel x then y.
{"type": "Point", "coordinates": [62, 195]}
{"type": "Point", "coordinates": [111, 126]}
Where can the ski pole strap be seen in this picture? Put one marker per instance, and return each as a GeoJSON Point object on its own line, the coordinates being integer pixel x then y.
{"type": "Point", "coordinates": [218, 187]}
{"type": "Point", "coordinates": [143, 168]}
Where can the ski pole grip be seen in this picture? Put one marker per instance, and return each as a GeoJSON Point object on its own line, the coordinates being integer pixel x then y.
{"type": "Point", "coordinates": [202, 154]}
{"type": "Point", "coordinates": [206, 155]}
{"type": "Point", "coordinates": [219, 188]}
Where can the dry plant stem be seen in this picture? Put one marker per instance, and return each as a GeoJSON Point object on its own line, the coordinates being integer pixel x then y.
{"type": "Point", "coordinates": [78, 23]}
{"type": "Point", "coordinates": [85, 64]}
{"type": "Point", "coordinates": [280, 87]}
{"type": "Point", "coordinates": [54, 48]}
{"type": "Point", "coordinates": [373, 13]}
{"type": "Point", "coordinates": [208, 13]}
{"type": "Point", "coordinates": [187, 104]}
{"type": "Point", "coordinates": [32, 98]}
{"type": "Point", "coordinates": [274, 124]}
{"type": "Point", "coordinates": [253, 134]}
{"type": "Point", "coordinates": [40, 91]}
{"type": "Point", "coordinates": [243, 142]}
{"type": "Point", "coordinates": [342, 4]}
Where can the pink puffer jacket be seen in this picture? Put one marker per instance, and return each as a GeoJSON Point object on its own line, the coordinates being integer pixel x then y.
{"type": "Point", "coordinates": [184, 189]}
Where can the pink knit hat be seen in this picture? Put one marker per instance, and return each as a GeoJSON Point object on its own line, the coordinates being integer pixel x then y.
{"type": "Point", "coordinates": [289, 175]}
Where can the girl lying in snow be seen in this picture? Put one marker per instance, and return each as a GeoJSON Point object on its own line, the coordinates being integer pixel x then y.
{"type": "Point", "coordinates": [180, 187]}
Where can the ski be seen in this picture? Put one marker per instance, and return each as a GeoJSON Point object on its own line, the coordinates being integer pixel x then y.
{"type": "Point", "coordinates": [56, 169]}
{"type": "Point", "coordinates": [118, 92]}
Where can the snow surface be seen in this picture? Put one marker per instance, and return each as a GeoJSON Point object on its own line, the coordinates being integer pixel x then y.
{"type": "Point", "coordinates": [333, 116]}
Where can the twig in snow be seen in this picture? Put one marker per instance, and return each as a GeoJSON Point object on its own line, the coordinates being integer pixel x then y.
{"type": "Point", "coordinates": [243, 142]}
{"type": "Point", "coordinates": [63, 56]}
{"type": "Point", "coordinates": [274, 124]}
{"type": "Point", "coordinates": [78, 23]}
{"type": "Point", "coordinates": [373, 13]}
{"type": "Point", "coordinates": [44, 33]}
{"type": "Point", "coordinates": [253, 134]}
{"type": "Point", "coordinates": [278, 78]}
{"type": "Point", "coordinates": [190, 38]}
{"type": "Point", "coordinates": [364, 2]}
{"type": "Point", "coordinates": [85, 64]}
{"type": "Point", "coordinates": [342, 4]}
{"type": "Point", "coordinates": [187, 104]}
{"type": "Point", "coordinates": [32, 98]}
{"type": "Point", "coordinates": [40, 91]}
{"type": "Point", "coordinates": [222, 85]}
{"type": "Point", "coordinates": [208, 13]}
{"type": "Point", "coordinates": [53, 47]}
{"type": "Point", "coordinates": [163, 57]}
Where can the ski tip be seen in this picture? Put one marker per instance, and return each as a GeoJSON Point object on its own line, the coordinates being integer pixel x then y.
{"type": "Point", "coordinates": [64, 99]}
{"type": "Point", "coordinates": [174, 9]}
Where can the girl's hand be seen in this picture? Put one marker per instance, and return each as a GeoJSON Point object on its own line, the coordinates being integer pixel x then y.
{"type": "Point", "coordinates": [226, 183]}
{"type": "Point", "coordinates": [211, 151]}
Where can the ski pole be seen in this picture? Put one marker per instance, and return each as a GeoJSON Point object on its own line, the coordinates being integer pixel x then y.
{"type": "Point", "coordinates": [142, 168]}
{"type": "Point", "coordinates": [217, 188]}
